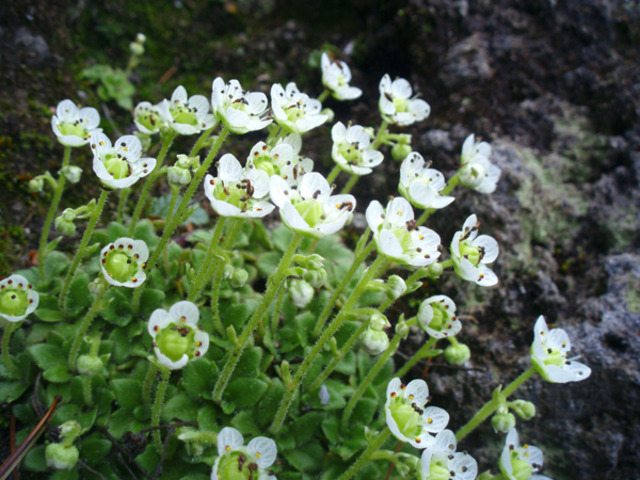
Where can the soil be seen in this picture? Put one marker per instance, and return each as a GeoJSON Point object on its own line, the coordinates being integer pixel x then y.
{"type": "Point", "coordinates": [552, 84]}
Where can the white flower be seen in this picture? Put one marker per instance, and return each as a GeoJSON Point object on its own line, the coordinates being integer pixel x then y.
{"type": "Point", "coordinates": [422, 185]}
{"type": "Point", "coordinates": [236, 191]}
{"type": "Point", "coordinates": [520, 462]}
{"type": "Point", "coordinates": [147, 118]}
{"type": "Point", "coordinates": [398, 237]}
{"type": "Point", "coordinates": [442, 462]}
{"type": "Point", "coordinates": [352, 150]}
{"type": "Point", "coordinates": [471, 254]}
{"type": "Point", "coordinates": [283, 160]}
{"type": "Point", "coordinates": [549, 355]}
{"type": "Point", "coordinates": [186, 115]}
{"type": "Point", "coordinates": [240, 111]}
{"type": "Point", "coordinates": [311, 209]}
{"type": "Point", "coordinates": [119, 166]}
{"type": "Point", "coordinates": [74, 126]}
{"type": "Point", "coordinates": [336, 77]}
{"type": "Point", "coordinates": [177, 337]}
{"type": "Point", "coordinates": [437, 316]}
{"type": "Point", "coordinates": [397, 106]}
{"type": "Point", "coordinates": [408, 418]}
{"type": "Point", "coordinates": [123, 262]}
{"type": "Point", "coordinates": [476, 171]}
{"type": "Point", "coordinates": [294, 110]}
{"type": "Point", "coordinates": [236, 462]}
{"type": "Point", "coordinates": [17, 298]}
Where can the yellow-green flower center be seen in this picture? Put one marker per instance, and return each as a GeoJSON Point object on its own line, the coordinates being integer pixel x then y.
{"type": "Point", "coordinates": [401, 105]}
{"type": "Point", "coordinates": [311, 211]}
{"type": "Point", "coordinates": [263, 162]}
{"type": "Point", "coordinates": [470, 252]}
{"type": "Point", "coordinates": [185, 115]}
{"type": "Point", "coordinates": [406, 417]}
{"type": "Point", "coordinates": [522, 470]}
{"type": "Point", "coordinates": [117, 167]}
{"type": "Point", "coordinates": [14, 302]}
{"type": "Point", "coordinates": [437, 471]}
{"type": "Point", "coordinates": [175, 341]}
{"type": "Point", "coordinates": [75, 129]}
{"type": "Point", "coordinates": [237, 466]}
{"type": "Point", "coordinates": [351, 153]}
{"type": "Point", "coordinates": [440, 317]}
{"type": "Point", "coordinates": [120, 266]}
{"type": "Point", "coordinates": [554, 357]}
{"type": "Point", "coordinates": [404, 237]}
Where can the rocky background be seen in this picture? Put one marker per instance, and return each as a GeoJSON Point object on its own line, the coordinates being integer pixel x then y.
{"type": "Point", "coordinates": [553, 85]}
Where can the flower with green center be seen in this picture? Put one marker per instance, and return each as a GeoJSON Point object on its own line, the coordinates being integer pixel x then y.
{"type": "Point", "coordinates": [520, 462]}
{"type": "Point", "coordinates": [336, 77]}
{"type": "Point", "coordinates": [237, 462]}
{"type": "Point", "coordinates": [282, 159]}
{"type": "Point", "coordinates": [471, 254]}
{"type": "Point", "coordinates": [177, 337]}
{"type": "Point", "coordinates": [123, 262]}
{"type": "Point", "coordinates": [549, 355]}
{"type": "Point", "coordinates": [352, 149]}
{"type": "Point", "coordinates": [236, 191]}
{"type": "Point", "coordinates": [442, 462]}
{"type": "Point", "coordinates": [294, 110]}
{"type": "Point", "coordinates": [311, 209]}
{"type": "Point", "coordinates": [17, 298]}
{"type": "Point", "coordinates": [186, 115]}
{"type": "Point", "coordinates": [408, 417]}
{"type": "Point", "coordinates": [240, 111]}
{"type": "Point", "coordinates": [476, 171]}
{"type": "Point", "coordinates": [147, 118]}
{"type": "Point", "coordinates": [119, 166]}
{"type": "Point", "coordinates": [397, 106]}
{"type": "Point", "coordinates": [422, 185]}
{"type": "Point", "coordinates": [437, 316]}
{"type": "Point", "coordinates": [398, 237]}
{"type": "Point", "coordinates": [73, 126]}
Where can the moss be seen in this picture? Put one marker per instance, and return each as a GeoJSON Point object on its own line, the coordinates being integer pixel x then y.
{"type": "Point", "coordinates": [632, 295]}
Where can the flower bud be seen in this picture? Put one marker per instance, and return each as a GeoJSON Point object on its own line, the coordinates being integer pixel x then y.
{"type": "Point", "coordinates": [300, 292]}
{"type": "Point", "coordinates": [471, 174]}
{"type": "Point", "coordinates": [374, 342]}
{"type": "Point", "coordinates": [378, 322]}
{"type": "Point", "coordinates": [396, 287]}
{"type": "Point", "coordinates": [503, 422]}
{"type": "Point", "coordinates": [402, 329]}
{"type": "Point", "coordinates": [89, 365]}
{"type": "Point", "coordinates": [36, 185]}
{"type": "Point", "coordinates": [524, 409]}
{"type": "Point", "coordinates": [457, 354]}
{"type": "Point", "coordinates": [239, 278]}
{"type": "Point", "coordinates": [136, 48]}
{"type": "Point", "coordinates": [185, 161]}
{"type": "Point", "coordinates": [400, 151]}
{"type": "Point", "coordinates": [64, 226]}
{"type": "Point", "coordinates": [329, 113]}
{"type": "Point", "coordinates": [141, 38]}
{"type": "Point", "coordinates": [61, 457]}
{"type": "Point", "coordinates": [316, 278]}
{"type": "Point", "coordinates": [434, 270]}
{"type": "Point", "coordinates": [71, 173]}
{"type": "Point", "coordinates": [178, 176]}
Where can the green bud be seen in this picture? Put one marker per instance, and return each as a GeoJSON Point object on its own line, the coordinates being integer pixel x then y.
{"type": "Point", "coordinates": [141, 38]}
{"type": "Point", "coordinates": [400, 151]}
{"type": "Point", "coordinates": [457, 354]}
{"type": "Point", "coordinates": [374, 342]}
{"type": "Point", "coordinates": [36, 185]}
{"type": "Point", "coordinates": [89, 365]}
{"type": "Point", "coordinates": [136, 48]}
{"type": "Point", "coordinates": [185, 161]}
{"type": "Point", "coordinates": [64, 227]}
{"type": "Point", "coordinates": [378, 322]}
{"type": "Point", "coordinates": [524, 409]}
{"type": "Point", "coordinates": [503, 422]}
{"type": "Point", "coordinates": [316, 278]}
{"type": "Point", "coordinates": [239, 278]}
{"type": "Point", "coordinates": [471, 175]}
{"type": "Point", "coordinates": [300, 292]}
{"type": "Point", "coordinates": [402, 328]}
{"type": "Point", "coordinates": [61, 457]}
{"type": "Point", "coordinates": [228, 270]}
{"type": "Point", "coordinates": [178, 176]}
{"type": "Point", "coordinates": [69, 430]}
{"type": "Point", "coordinates": [329, 113]}
{"type": "Point", "coordinates": [434, 270]}
{"type": "Point", "coordinates": [71, 173]}
{"type": "Point", "coordinates": [396, 287]}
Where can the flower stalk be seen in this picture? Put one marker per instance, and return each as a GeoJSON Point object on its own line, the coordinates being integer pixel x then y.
{"type": "Point", "coordinates": [367, 454]}
{"type": "Point", "coordinates": [86, 323]}
{"type": "Point", "coordinates": [9, 328]}
{"type": "Point", "coordinates": [165, 373]}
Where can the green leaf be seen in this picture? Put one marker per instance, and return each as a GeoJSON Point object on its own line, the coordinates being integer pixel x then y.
{"type": "Point", "coordinates": [364, 411]}
{"type": "Point", "coordinates": [124, 421]}
{"type": "Point", "coordinates": [144, 230]}
{"type": "Point", "coordinates": [331, 248]}
{"type": "Point", "coordinates": [49, 316]}
{"type": "Point", "coordinates": [128, 392]}
{"type": "Point", "coordinates": [199, 377]}
{"type": "Point", "coordinates": [115, 231]}
{"type": "Point", "coordinates": [260, 236]}
{"type": "Point", "coordinates": [268, 262]}
{"type": "Point", "coordinates": [308, 460]}
{"type": "Point", "coordinates": [182, 407]}
{"type": "Point", "coordinates": [54, 264]}
{"type": "Point", "coordinates": [281, 238]}
{"type": "Point", "coordinates": [79, 296]}
{"type": "Point", "coordinates": [348, 364]}
{"type": "Point", "coordinates": [47, 356]}
{"type": "Point", "coordinates": [235, 314]}
{"type": "Point", "coordinates": [249, 364]}
{"type": "Point", "coordinates": [245, 391]}
{"type": "Point", "coordinates": [35, 460]}
{"type": "Point", "coordinates": [150, 300]}
{"type": "Point", "coordinates": [11, 391]}
{"type": "Point", "coordinates": [207, 419]}
{"type": "Point", "coordinates": [57, 374]}
{"type": "Point", "coordinates": [117, 307]}
{"type": "Point", "coordinates": [303, 428]}
{"type": "Point", "coordinates": [95, 449]}
{"type": "Point", "coordinates": [271, 401]}
{"type": "Point", "coordinates": [331, 429]}
{"type": "Point", "coordinates": [245, 423]}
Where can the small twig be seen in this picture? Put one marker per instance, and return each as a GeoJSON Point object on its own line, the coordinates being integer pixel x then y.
{"type": "Point", "coordinates": [84, 465]}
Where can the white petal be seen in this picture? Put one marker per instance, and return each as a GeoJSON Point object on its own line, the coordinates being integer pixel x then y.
{"type": "Point", "coordinates": [436, 419]}
{"type": "Point", "coordinates": [229, 169]}
{"type": "Point", "coordinates": [445, 443]}
{"type": "Point", "coordinates": [179, 96]}
{"type": "Point", "coordinates": [375, 215]}
{"type": "Point", "coordinates": [279, 190]}
{"type": "Point", "coordinates": [265, 451]}
{"type": "Point", "coordinates": [490, 247]}
{"type": "Point", "coordinates": [229, 439]}
{"type": "Point", "coordinates": [399, 212]}
{"type": "Point", "coordinates": [187, 310]}
{"type": "Point", "coordinates": [417, 391]}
